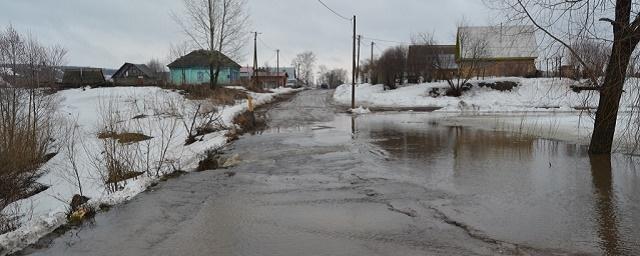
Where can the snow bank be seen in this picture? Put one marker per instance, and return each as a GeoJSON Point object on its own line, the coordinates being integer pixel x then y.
{"type": "Point", "coordinates": [533, 95]}
{"type": "Point", "coordinates": [45, 211]}
{"type": "Point", "coordinates": [360, 111]}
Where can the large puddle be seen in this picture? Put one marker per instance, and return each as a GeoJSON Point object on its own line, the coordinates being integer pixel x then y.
{"type": "Point", "coordinates": [529, 191]}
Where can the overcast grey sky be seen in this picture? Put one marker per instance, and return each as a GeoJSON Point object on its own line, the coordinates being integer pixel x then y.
{"type": "Point", "coordinates": [107, 33]}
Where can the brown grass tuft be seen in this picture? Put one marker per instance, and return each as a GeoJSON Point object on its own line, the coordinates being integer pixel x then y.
{"type": "Point", "coordinates": [219, 95]}
{"type": "Point", "coordinates": [124, 138]}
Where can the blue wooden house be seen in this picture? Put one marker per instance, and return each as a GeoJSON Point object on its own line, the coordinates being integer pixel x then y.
{"type": "Point", "coordinates": [193, 68]}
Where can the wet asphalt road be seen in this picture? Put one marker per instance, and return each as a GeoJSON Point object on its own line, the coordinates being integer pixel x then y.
{"type": "Point", "coordinates": [320, 182]}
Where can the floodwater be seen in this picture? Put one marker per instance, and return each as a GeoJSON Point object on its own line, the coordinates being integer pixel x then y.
{"type": "Point", "coordinates": [319, 182]}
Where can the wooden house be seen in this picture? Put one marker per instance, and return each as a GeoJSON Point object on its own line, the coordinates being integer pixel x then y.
{"type": "Point", "coordinates": [78, 77]}
{"type": "Point", "coordinates": [268, 78]}
{"type": "Point", "coordinates": [497, 50]}
{"type": "Point", "coordinates": [135, 75]}
{"type": "Point", "coordinates": [431, 63]}
{"type": "Point", "coordinates": [193, 68]}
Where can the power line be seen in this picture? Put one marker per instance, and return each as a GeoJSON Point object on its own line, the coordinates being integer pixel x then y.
{"type": "Point", "coordinates": [383, 40]}
{"type": "Point", "coordinates": [266, 45]}
{"type": "Point", "coordinates": [334, 12]}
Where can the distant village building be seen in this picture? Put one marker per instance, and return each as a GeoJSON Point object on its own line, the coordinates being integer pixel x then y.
{"type": "Point", "coordinates": [569, 71]}
{"type": "Point", "coordinates": [270, 77]}
{"type": "Point", "coordinates": [267, 78]}
{"type": "Point", "coordinates": [78, 77]}
{"type": "Point", "coordinates": [193, 68]}
{"type": "Point", "coordinates": [426, 63]}
{"type": "Point", "coordinates": [498, 50]}
{"type": "Point", "coordinates": [245, 74]}
{"type": "Point", "coordinates": [135, 75]}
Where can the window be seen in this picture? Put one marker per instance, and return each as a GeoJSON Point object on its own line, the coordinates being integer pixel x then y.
{"type": "Point", "coordinates": [200, 76]}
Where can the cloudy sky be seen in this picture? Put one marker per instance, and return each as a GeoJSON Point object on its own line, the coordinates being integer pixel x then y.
{"type": "Point", "coordinates": [107, 33]}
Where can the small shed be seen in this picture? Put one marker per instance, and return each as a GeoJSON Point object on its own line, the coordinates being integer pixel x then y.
{"type": "Point", "coordinates": [135, 75]}
{"type": "Point", "coordinates": [78, 77]}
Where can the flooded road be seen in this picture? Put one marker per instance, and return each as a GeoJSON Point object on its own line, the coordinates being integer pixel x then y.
{"type": "Point", "coordinates": [319, 182]}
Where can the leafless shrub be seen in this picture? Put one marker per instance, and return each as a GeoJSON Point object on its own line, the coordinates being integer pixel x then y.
{"type": "Point", "coordinates": [392, 65]}
{"type": "Point", "coordinates": [70, 171]}
{"type": "Point", "coordinates": [112, 161]}
{"type": "Point", "coordinates": [28, 121]}
{"type": "Point", "coordinates": [200, 118]}
{"type": "Point", "coordinates": [470, 60]}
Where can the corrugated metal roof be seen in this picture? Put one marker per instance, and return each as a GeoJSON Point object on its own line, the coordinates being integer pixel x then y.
{"type": "Point", "coordinates": [500, 42]}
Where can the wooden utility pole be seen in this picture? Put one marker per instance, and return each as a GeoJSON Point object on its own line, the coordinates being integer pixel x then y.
{"type": "Point", "coordinates": [371, 63]}
{"type": "Point", "coordinates": [358, 59]}
{"type": "Point", "coordinates": [255, 58]}
{"type": "Point", "coordinates": [278, 65]}
{"type": "Point", "coordinates": [353, 67]}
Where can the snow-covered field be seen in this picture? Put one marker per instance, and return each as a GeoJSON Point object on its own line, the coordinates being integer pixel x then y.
{"type": "Point", "coordinates": [158, 115]}
{"type": "Point", "coordinates": [533, 95]}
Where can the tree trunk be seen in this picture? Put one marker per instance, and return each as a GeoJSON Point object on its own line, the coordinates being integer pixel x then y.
{"type": "Point", "coordinates": [606, 116]}
{"type": "Point", "coordinates": [212, 79]}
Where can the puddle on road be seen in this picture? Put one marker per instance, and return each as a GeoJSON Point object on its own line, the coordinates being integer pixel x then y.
{"type": "Point", "coordinates": [530, 191]}
{"type": "Point", "coordinates": [536, 192]}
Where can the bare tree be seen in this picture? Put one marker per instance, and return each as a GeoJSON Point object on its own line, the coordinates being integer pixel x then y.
{"type": "Point", "coordinates": [156, 66]}
{"type": "Point", "coordinates": [334, 77]}
{"type": "Point", "coordinates": [304, 63]}
{"type": "Point", "coordinates": [567, 21]}
{"type": "Point", "coordinates": [422, 57]}
{"type": "Point", "coordinates": [216, 25]}
{"type": "Point", "coordinates": [595, 55]}
{"type": "Point", "coordinates": [392, 65]}
{"type": "Point", "coordinates": [471, 48]}
{"type": "Point", "coordinates": [178, 50]}
{"type": "Point", "coordinates": [71, 170]}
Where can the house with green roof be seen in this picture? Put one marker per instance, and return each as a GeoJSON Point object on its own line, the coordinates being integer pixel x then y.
{"type": "Point", "coordinates": [193, 68]}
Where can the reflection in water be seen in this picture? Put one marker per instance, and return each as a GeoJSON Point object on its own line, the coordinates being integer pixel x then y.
{"type": "Point", "coordinates": [538, 192]}
{"type": "Point", "coordinates": [605, 204]}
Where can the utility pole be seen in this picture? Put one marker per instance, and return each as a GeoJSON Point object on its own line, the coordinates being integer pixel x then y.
{"type": "Point", "coordinates": [278, 65]}
{"type": "Point", "coordinates": [371, 63]}
{"type": "Point", "coordinates": [358, 61]}
{"type": "Point", "coordinates": [255, 58]}
{"type": "Point", "coordinates": [353, 67]}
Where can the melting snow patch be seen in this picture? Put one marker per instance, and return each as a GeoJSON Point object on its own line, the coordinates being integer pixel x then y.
{"type": "Point", "coordinates": [360, 111]}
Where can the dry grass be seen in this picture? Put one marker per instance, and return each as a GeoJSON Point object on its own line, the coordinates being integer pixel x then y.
{"type": "Point", "coordinates": [26, 142]}
{"type": "Point", "coordinates": [124, 138]}
{"type": "Point", "coordinates": [211, 161]}
{"type": "Point", "coordinates": [219, 96]}
{"type": "Point", "coordinates": [248, 122]}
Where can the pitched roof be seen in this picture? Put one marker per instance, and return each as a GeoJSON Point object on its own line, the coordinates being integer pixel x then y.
{"type": "Point", "coordinates": [290, 71]}
{"type": "Point", "coordinates": [83, 76]}
{"type": "Point", "coordinates": [420, 56]}
{"type": "Point", "coordinates": [142, 67]}
{"type": "Point", "coordinates": [499, 42]}
{"type": "Point", "coordinates": [202, 58]}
